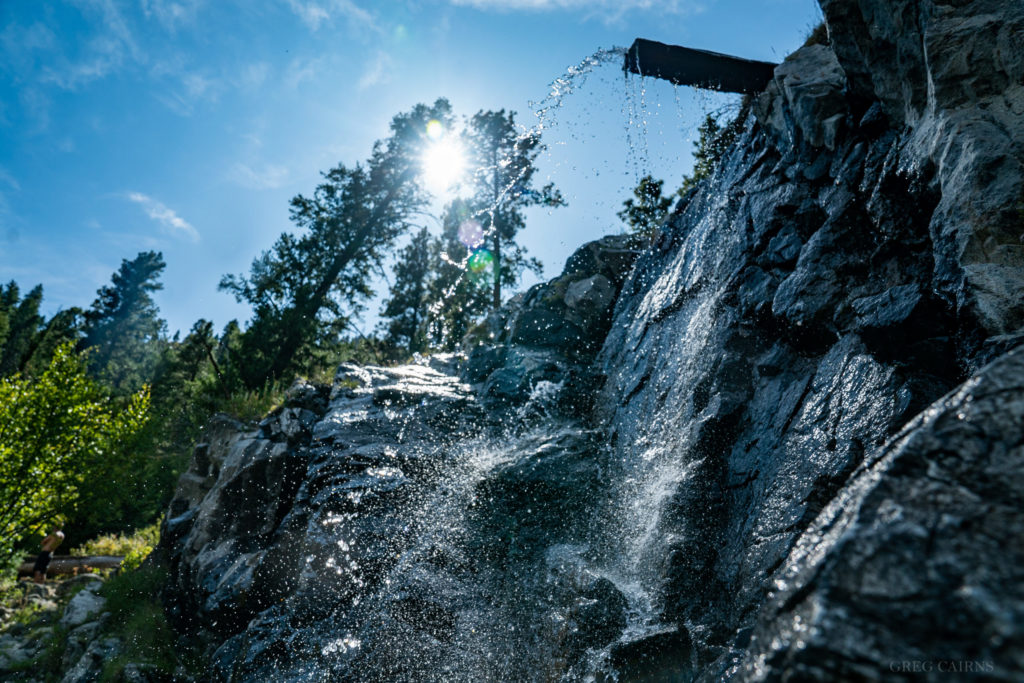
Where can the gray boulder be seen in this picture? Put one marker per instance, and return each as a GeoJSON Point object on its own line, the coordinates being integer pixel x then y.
{"type": "Point", "coordinates": [85, 606]}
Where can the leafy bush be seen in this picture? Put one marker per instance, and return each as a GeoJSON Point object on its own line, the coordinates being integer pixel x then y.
{"type": "Point", "coordinates": [134, 547]}
{"type": "Point", "coordinates": [62, 443]}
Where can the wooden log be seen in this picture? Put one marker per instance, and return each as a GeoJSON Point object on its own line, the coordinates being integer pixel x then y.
{"type": "Point", "coordinates": [69, 564]}
{"type": "Point", "coordinates": [699, 68]}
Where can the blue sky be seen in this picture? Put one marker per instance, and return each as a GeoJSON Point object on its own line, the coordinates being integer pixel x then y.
{"type": "Point", "coordinates": [185, 126]}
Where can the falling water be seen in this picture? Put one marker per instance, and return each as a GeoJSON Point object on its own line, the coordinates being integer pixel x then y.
{"type": "Point", "coordinates": [522, 528]}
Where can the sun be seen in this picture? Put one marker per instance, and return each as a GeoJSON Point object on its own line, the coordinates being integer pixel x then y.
{"type": "Point", "coordinates": [443, 162]}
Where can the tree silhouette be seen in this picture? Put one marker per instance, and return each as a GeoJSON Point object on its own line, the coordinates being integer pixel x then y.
{"type": "Point", "coordinates": [308, 286]}
{"type": "Point", "coordinates": [406, 307]}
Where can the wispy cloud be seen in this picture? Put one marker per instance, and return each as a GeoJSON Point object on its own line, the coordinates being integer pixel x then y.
{"type": "Point", "coordinates": [266, 177]}
{"type": "Point", "coordinates": [377, 71]}
{"type": "Point", "coordinates": [316, 12]}
{"type": "Point", "coordinates": [36, 106]}
{"type": "Point", "coordinates": [7, 179]}
{"type": "Point", "coordinates": [7, 218]}
{"type": "Point", "coordinates": [168, 219]}
{"type": "Point", "coordinates": [252, 76]}
{"type": "Point", "coordinates": [21, 45]}
{"type": "Point", "coordinates": [300, 70]}
{"type": "Point", "coordinates": [112, 46]}
{"type": "Point", "coordinates": [171, 13]}
{"type": "Point", "coordinates": [608, 10]}
{"type": "Point", "coordinates": [181, 89]}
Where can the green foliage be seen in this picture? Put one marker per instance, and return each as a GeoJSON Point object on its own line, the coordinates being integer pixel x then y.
{"type": "Point", "coordinates": [135, 547]}
{"type": "Point", "coordinates": [306, 288]}
{"type": "Point", "coordinates": [712, 142]}
{"type": "Point", "coordinates": [818, 35]}
{"type": "Point", "coordinates": [503, 165]}
{"type": "Point", "coordinates": [253, 404]}
{"type": "Point", "coordinates": [22, 326]}
{"type": "Point", "coordinates": [138, 619]}
{"type": "Point", "coordinates": [458, 294]}
{"type": "Point", "coordinates": [644, 214]}
{"type": "Point", "coordinates": [26, 344]}
{"type": "Point", "coordinates": [406, 307]}
{"type": "Point", "coordinates": [123, 328]}
{"type": "Point", "coordinates": [62, 446]}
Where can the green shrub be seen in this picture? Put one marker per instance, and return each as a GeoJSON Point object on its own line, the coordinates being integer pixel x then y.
{"type": "Point", "coordinates": [253, 405]}
{"type": "Point", "coordinates": [134, 547]}
{"type": "Point", "coordinates": [138, 620]}
{"type": "Point", "coordinates": [62, 445]}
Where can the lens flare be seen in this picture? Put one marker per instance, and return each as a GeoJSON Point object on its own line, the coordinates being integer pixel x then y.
{"type": "Point", "coordinates": [471, 233]}
{"type": "Point", "coordinates": [480, 261]}
{"type": "Point", "coordinates": [434, 129]}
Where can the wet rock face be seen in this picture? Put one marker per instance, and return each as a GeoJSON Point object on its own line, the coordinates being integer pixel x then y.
{"type": "Point", "coordinates": [820, 292]}
{"type": "Point", "coordinates": [724, 455]}
{"type": "Point", "coordinates": [919, 558]}
{"type": "Point", "coordinates": [953, 72]}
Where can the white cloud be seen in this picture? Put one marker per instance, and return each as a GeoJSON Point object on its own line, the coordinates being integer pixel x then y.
{"type": "Point", "coordinates": [171, 13]}
{"type": "Point", "coordinates": [110, 45]}
{"type": "Point", "coordinates": [316, 12]}
{"type": "Point", "coordinates": [168, 219]}
{"type": "Point", "coordinates": [301, 70]}
{"type": "Point", "coordinates": [36, 106]}
{"type": "Point", "coordinates": [186, 89]}
{"type": "Point", "coordinates": [377, 71]}
{"type": "Point", "coordinates": [266, 177]}
{"type": "Point", "coordinates": [252, 76]}
{"type": "Point", "coordinates": [609, 10]}
{"type": "Point", "coordinates": [7, 179]}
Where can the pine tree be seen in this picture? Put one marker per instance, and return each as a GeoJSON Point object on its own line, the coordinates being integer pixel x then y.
{"type": "Point", "coordinates": [123, 329]}
{"type": "Point", "coordinates": [713, 139]}
{"type": "Point", "coordinates": [502, 186]}
{"type": "Point", "coordinates": [406, 307]}
{"type": "Point", "coordinates": [460, 290]}
{"type": "Point", "coordinates": [307, 287]}
{"type": "Point", "coordinates": [644, 214]}
{"type": "Point", "coordinates": [23, 327]}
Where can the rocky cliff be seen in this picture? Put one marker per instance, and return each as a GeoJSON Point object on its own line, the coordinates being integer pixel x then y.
{"type": "Point", "coordinates": [783, 442]}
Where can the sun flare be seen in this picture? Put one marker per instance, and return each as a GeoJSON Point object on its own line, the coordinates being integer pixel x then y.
{"type": "Point", "coordinates": [444, 162]}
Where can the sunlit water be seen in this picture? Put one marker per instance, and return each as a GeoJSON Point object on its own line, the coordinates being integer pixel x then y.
{"type": "Point", "coordinates": [508, 585]}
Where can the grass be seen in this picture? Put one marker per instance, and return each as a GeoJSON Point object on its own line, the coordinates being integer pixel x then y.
{"type": "Point", "coordinates": [137, 617]}
{"type": "Point", "coordinates": [138, 620]}
{"type": "Point", "coordinates": [253, 405]}
{"type": "Point", "coordinates": [818, 35]}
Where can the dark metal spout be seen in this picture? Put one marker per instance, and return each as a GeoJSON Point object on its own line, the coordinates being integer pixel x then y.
{"type": "Point", "coordinates": [699, 68]}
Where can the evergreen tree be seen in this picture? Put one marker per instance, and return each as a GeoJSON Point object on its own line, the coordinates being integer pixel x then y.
{"type": "Point", "coordinates": [123, 329]}
{"type": "Point", "coordinates": [406, 307]}
{"type": "Point", "coordinates": [502, 186]}
{"type": "Point", "coordinates": [713, 139]}
{"type": "Point", "coordinates": [460, 291]}
{"type": "Point", "coordinates": [23, 327]}
{"type": "Point", "coordinates": [65, 326]}
{"type": "Point", "coordinates": [644, 214]}
{"type": "Point", "coordinates": [307, 287]}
